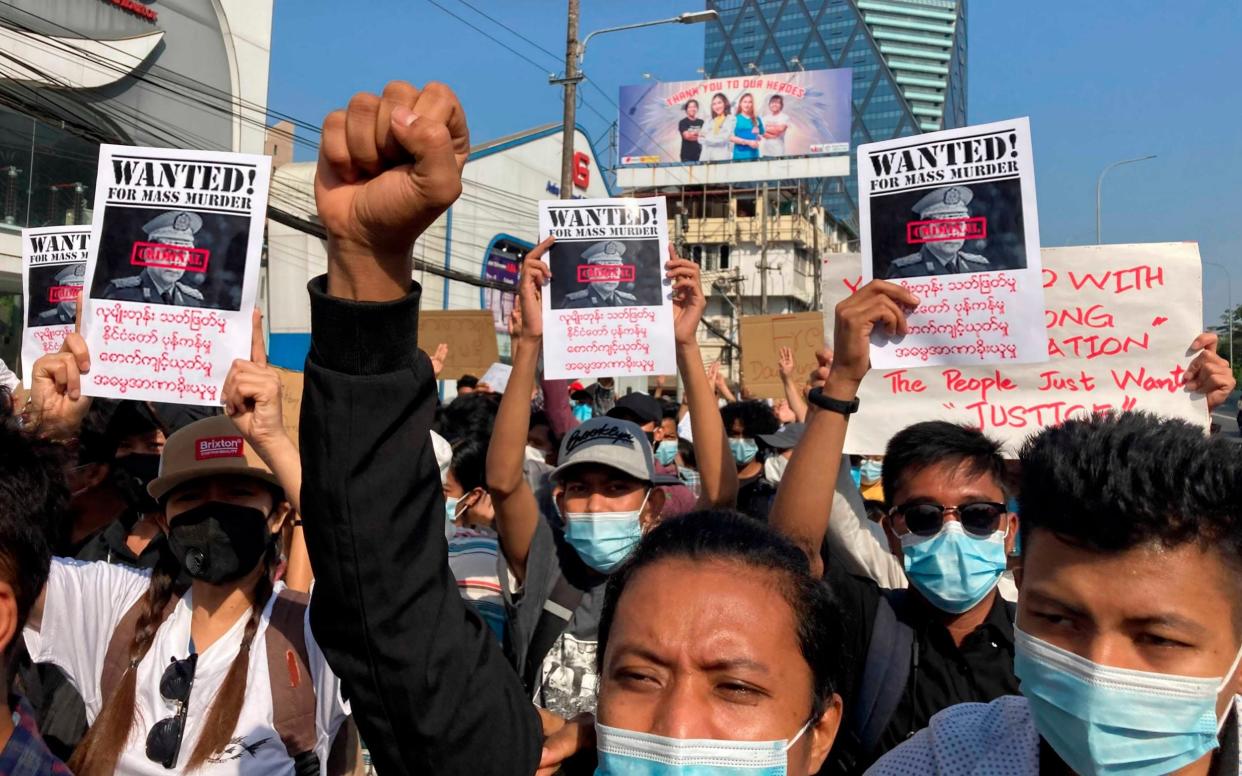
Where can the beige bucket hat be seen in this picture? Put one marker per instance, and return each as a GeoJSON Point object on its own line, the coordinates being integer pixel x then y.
{"type": "Point", "coordinates": [207, 447]}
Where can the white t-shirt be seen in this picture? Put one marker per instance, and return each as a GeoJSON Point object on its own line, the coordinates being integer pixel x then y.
{"type": "Point", "coordinates": [84, 604]}
{"type": "Point", "coordinates": [774, 146]}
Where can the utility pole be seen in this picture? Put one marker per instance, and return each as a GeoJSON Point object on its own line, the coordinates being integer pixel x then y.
{"type": "Point", "coordinates": [763, 252]}
{"type": "Point", "coordinates": [570, 83]}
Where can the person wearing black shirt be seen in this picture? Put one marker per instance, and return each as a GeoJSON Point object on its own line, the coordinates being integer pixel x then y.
{"type": "Point", "coordinates": [689, 128]}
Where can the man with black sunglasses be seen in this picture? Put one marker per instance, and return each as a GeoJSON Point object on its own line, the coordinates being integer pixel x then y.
{"type": "Point", "coordinates": [948, 638]}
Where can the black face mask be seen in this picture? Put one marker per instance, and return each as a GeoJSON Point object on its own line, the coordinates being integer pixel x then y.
{"type": "Point", "coordinates": [218, 542]}
{"type": "Point", "coordinates": [134, 472]}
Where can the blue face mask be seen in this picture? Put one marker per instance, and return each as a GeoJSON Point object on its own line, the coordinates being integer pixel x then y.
{"type": "Point", "coordinates": [744, 450]}
{"type": "Point", "coordinates": [450, 517]}
{"type": "Point", "coordinates": [953, 570]}
{"type": "Point", "coordinates": [604, 539]}
{"type": "Point", "coordinates": [1103, 720]}
{"type": "Point", "coordinates": [583, 412]}
{"type": "Point", "coordinates": [666, 452]}
{"type": "Point", "coordinates": [869, 472]}
{"type": "Point", "coordinates": [626, 753]}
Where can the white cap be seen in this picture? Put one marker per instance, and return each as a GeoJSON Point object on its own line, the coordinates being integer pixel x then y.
{"type": "Point", "coordinates": [444, 454]}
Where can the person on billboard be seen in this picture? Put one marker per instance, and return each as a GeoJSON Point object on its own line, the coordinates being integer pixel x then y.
{"type": "Point", "coordinates": [690, 127]}
{"type": "Point", "coordinates": [718, 130]}
{"type": "Point", "coordinates": [747, 130]}
{"type": "Point", "coordinates": [775, 124]}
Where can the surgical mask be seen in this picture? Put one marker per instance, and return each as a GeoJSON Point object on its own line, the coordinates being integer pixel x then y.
{"type": "Point", "coordinates": [218, 542]}
{"type": "Point", "coordinates": [666, 452]}
{"type": "Point", "coordinates": [582, 412]}
{"type": "Point", "coordinates": [1103, 720]}
{"type": "Point", "coordinates": [869, 472]}
{"type": "Point", "coordinates": [744, 450]}
{"type": "Point", "coordinates": [450, 517]}
{"type": "Point", "coordinates": [604, 539]}
{"type": "Point", "coordinates": [535, 454]}
{"type": "Point", "coordinates": [953, 570]}
{"type": "Point", "coordinates": [627, 753]}
{"type": "Point", "coordinates": [774, 468]}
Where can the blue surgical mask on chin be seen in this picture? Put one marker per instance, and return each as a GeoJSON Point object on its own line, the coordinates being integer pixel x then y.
{"type": "Point", "coordinates": [744, 450]}
{"type": "Point", "coordinates": [604, 539]}
{"type": "Point", "coordinates": [666, 451]}
{"type": "Point", "coordinates": [953, 570]}
{"type": "Point", "coordinates": [626, 753]}
{"type": "Point", "coordinates": [1103, 720]}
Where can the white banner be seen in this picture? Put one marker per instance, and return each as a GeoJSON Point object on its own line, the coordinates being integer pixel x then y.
{"type": "Point", "coordinates": [951, 216]}
{"type": "Point", "coordinates": [53, 272]}
{"type": "Point", "coordinates": [173, 271]}
{"type": "Point", "coordinates": [1119, 318]}
{"type": "Point", "coordinates": [608, 311]}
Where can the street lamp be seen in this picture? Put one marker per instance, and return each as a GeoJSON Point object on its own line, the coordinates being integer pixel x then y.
{"type": "Point", "coordinates": [1099, 183]}
{"type": "Point", "coordinates": [1229, 291]}
{"type": "Point", "coordinates": [574, 53]}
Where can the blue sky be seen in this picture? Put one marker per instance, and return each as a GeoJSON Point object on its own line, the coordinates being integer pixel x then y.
{"type": "Point", "coordinates": [1101, 81]}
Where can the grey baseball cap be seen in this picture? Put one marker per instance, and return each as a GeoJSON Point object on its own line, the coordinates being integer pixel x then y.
{"type": "Point", "coordinates": [618, 444]}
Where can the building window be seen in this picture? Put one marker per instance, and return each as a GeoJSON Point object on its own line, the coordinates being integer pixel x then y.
{"type": "Point", "coordinates": [724, 254]}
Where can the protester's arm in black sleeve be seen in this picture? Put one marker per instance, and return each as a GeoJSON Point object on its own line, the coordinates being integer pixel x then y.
{"type": "Point", "coordinates": [428, 686]}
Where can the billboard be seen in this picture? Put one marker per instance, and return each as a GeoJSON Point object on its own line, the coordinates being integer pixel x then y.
{"type": "Point", "coordinates": [741, 119]}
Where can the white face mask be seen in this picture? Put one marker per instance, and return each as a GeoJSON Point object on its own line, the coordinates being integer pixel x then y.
{"type": "Point", "coordinates": [774, 468]}
{"type": "Point", "coordinates": [535, 454]}
{"type": "Point", "coordinates": [625, 752]}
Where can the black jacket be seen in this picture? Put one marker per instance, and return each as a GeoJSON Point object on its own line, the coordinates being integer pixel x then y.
{"type": "Point", "coordinates": [430, 690]}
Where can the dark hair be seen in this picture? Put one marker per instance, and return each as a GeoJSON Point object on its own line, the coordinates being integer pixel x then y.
{"type": "Point", "coordinates": [725, 100]}
{"type": "Point", "coordinates": [34, 500]}
{"type": "Point", "coordinates": [467, 381]}
{"type": "Point", "coordinates": [937, 442]}
{"type": "Point", "coordinates": [472, 414]}
{"type": "Point", "coordinates": [686, 106]}
{"type": "Point", "coordinates": [540, 418]}
{"type": "Point", "coordinates": [756, 417]}
{"type": "Point", "coordinates": [1113, 482]}
{"type": "Point", "coordinates": [730, 536]}
{"type": "Point", "coordinates": [776, 98]}
{"type": "Point", "coordinates": [469, 464]}
{"type": "Point", "coordinates": [100, 749]}
{"type": "Point", "coordinates": [6, 402]}
{"type": "Point", "coordinates": [686, 448]}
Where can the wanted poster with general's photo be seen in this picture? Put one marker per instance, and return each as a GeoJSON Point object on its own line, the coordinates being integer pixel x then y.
{"type": "Point", "coordinates": [173, 271]}
{"type": "Point", "coordinates": [53, 272]}
{"type": "Point", "coordinates": [608, 311]}
{"type": "Point", "coordinates": [951, 216]}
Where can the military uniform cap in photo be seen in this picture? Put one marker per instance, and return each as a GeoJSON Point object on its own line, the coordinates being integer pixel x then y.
{"type": "Point", "coordinates": [205, 448]}
{"type": "Point", "coordinates": [639, 407]}
{"type": "Point", "coordinates": [73, 275]}
{"type": "Point", "coordinates": [786, 438]}
{"type": "Point", "coordinates": [617, 444]}
{"type": "Point", "coordinates": [942, 203]}
{"type": "Point", "coordinates": [176, 227]}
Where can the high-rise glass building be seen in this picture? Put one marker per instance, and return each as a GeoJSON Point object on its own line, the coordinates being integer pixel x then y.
{"type": "Point", "coordinates": [908, 58]}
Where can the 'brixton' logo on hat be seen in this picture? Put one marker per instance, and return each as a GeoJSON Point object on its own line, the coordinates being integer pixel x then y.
{"type": "Point", "coordinates": [218, 447]}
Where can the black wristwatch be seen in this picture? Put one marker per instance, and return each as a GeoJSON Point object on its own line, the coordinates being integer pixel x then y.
{"type": "Point", "coordinates": [845, 408]}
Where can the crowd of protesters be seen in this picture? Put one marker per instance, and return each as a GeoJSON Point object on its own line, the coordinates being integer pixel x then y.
{"type": "Point", "coordinates": [563, 578]}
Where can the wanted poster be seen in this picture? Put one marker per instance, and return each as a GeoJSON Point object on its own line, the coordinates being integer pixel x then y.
{"type": "Point", "coordinates": [608, 311]}
{"type": "Point", "coordinates": [951, 217]}
{"type": "Point", "coordinates": [172, 272]}
{"type": "Point", "coordinates": [53, 273]}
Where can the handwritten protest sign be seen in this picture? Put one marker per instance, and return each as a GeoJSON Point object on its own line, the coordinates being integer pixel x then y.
{"type": "Point", "coordinates": [53, 272]}
{"type": "Point", "coordinates": [291, 384]}
{"type": "Point", "coordinates": [762, 338]}
{"type": "Point", "coordinates": [497, 377]}
{"type": "Point", "coordinates": [469, 334]}
{"type": "Point", "coordinates": [608, 311]}
{"type": "Point", "coordinates": [172, 272]}
{"type": "Point", "coordinates": [951, 216]}
{"type": "Point", "coordinates": [1119, 320]}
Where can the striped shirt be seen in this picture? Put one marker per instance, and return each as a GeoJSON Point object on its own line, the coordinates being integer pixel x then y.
{"type": "Point", "coordinates": [474, 558]}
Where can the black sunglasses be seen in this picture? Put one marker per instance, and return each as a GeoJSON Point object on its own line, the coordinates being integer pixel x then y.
{"type": "Point", "coordinates": [164, 740]}
{"type": "Point", "coordinates": [978, 518]}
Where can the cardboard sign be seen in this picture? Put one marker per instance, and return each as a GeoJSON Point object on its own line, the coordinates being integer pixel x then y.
{"type": "Point", "coordinates": [1119, 319]}
{"type": "Point", "coordinates": [763, 336]}
{"type": "Point", "coordinates": [291, 400]}
{"type": "Point", "coordinates": [469, 334]}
